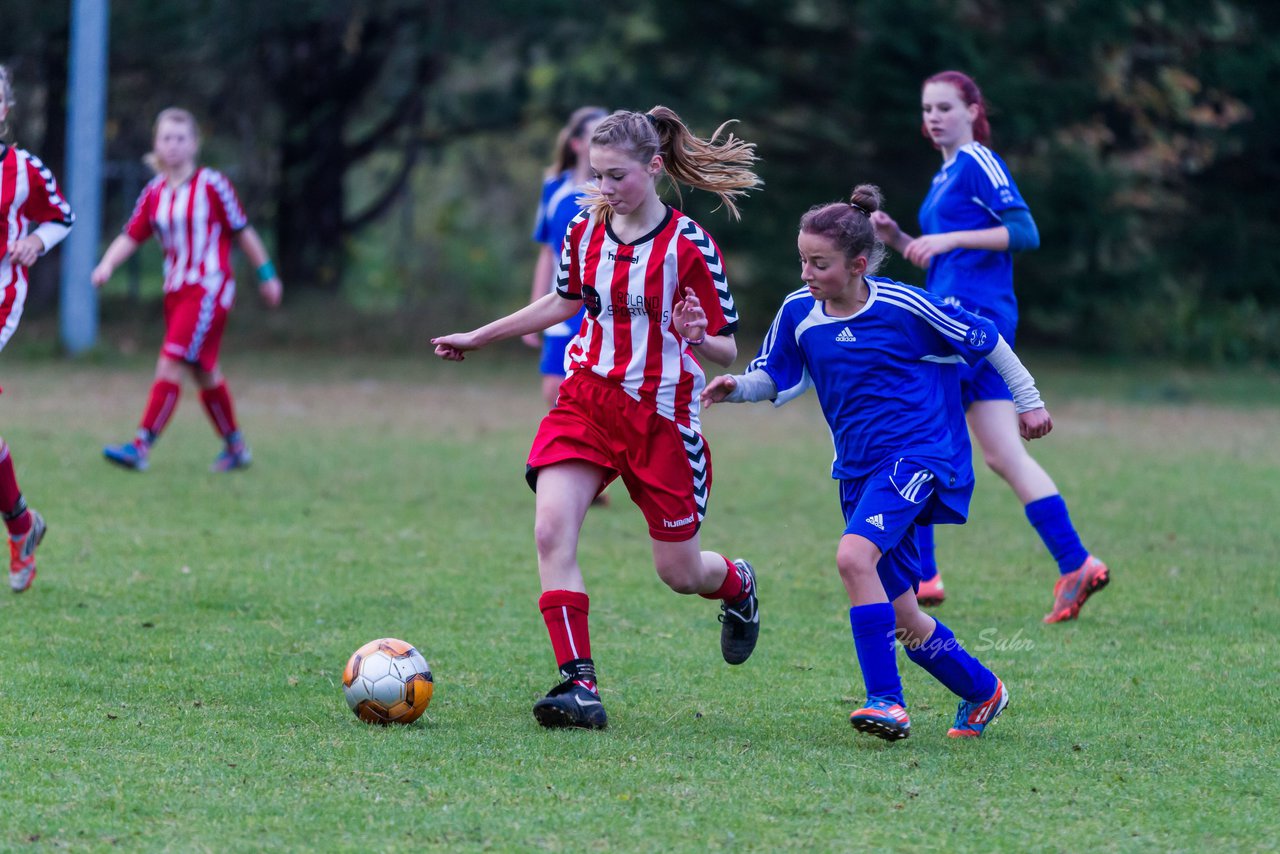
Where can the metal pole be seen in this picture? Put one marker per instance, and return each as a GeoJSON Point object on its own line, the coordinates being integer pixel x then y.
{"type": "Point", "coordinates": [86, 112]}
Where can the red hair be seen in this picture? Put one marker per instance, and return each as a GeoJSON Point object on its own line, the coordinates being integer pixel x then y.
{"type": "Point", "coordinates": [971, 95]}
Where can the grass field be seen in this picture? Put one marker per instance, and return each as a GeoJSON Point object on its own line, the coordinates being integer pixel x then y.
{"type": "Point", "coordinates": [172, 680]}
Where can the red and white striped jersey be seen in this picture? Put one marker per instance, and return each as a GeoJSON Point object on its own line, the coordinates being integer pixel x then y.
{"type": "Point", "coordinates": [28, 194]}
{"type": "Point", "coordinates": [195, 222]}
{"type": "Point", "coordinates": [630, 291]}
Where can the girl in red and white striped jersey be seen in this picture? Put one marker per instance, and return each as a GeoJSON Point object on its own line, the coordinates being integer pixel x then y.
{"type": "Point", "coordinates": [35, 218]}
{"type": "Point", "coordinates": [654, 287]}
{"type": "Point", "coordinates": [195, 213]}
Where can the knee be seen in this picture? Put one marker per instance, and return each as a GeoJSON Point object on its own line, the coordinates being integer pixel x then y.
{"type": "Point", "coordinates": [854, 567]}
{"type": "Point", "coordinates": [548, 535]}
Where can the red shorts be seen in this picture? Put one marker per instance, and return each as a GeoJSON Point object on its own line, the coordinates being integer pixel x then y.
{"type": "Point", "coordinates": [666, 467]}
{"type": "Point", "coordinates": [194, 319]}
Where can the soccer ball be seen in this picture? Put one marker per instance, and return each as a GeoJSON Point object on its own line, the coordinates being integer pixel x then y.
{"type": "Point", "coordinates": [387, 681]}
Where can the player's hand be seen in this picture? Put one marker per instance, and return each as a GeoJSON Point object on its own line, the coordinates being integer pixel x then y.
{"type": "Point", "coordinates": [452, 347]}
{"type": "Point", "coordinates": [271, 291]}
{"type": "Point", "coordinates": [532, 339]}
{"type": "Point", "coordinates": [101, 275]}
{"type": "Point", "coordinates": [921, 250]}
{"type": "Point", "coordinates": [689, 318]}
{"type": "Point", "coordinates": [887, 229]}
{"type": "Point", "coordinates": [1035, 424]}
{"type": "Point", "coordinates": [26, 251]}
{"type": "Point", "coordinates": [718, 389]}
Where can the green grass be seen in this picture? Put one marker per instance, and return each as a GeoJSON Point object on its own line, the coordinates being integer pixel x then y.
{"type": "Point", "coordinates": [172, 680]}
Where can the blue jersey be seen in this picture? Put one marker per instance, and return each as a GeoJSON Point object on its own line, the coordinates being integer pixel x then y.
{"type": "Point", "coordinates": [557, 208]}
{"type": "Point", "coordinates": [969, 193]}
{"type": "Point", "coordinates": [886, 380]}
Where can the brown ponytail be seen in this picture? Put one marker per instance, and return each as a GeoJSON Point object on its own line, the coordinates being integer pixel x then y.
{"type": "Point", "coordinates": [720, 166]}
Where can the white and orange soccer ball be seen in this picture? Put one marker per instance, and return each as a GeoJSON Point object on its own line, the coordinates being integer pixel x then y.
{"type": "Point", "coordinates": [387, 681]}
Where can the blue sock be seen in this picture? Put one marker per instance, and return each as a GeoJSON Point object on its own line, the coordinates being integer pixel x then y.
{"type": "Point", "coordinates": [928, 563]}
{"type": "Point", "coordinates": [873, 639]}
{"type": "Point", "coordinates": [948, 662]}
{"type": "Point", "coordinates": [1052, 522]}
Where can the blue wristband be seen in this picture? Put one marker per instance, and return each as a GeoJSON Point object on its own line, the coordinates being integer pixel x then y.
{"type": "Point", "coordinates": [266, 272]}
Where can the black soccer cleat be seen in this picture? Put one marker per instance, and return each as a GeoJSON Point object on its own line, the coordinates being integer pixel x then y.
{"type": "Point", "coordinates": [571, 705]}
{"type": "Point", "coordinates": [740, 621]}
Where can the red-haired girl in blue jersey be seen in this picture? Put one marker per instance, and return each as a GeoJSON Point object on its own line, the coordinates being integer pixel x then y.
{"type": "Point", "coordinates": [194, 212]}
{"type": "Point", "coordinates": [882, 358]}
{"type": "Point", "coordinates": [971, 223]}
{"type": "Point", "coordinates": [655, 292]}
{"type": "Point", "coordinates": [35, 218]}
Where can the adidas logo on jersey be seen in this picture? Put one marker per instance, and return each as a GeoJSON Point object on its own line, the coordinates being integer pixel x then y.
{"type": "Point", "coordinates": [877, 520]}
{"type": "Point", "coordinates": [845, 336]}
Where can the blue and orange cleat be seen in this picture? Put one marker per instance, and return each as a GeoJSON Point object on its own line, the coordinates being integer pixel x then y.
{"type": "Point", "coordinates": [883, 719]}
{"type": "Point", "coordinates": [1072, 589]}
{"type": "Point", "coordinates": [973, 718]}
{"type": "Point", "coordinates": [234, 456]}
{"type": "Point", "coordinates": [22, 554]}
{"type": "Point", "coordinates": [130, 455]}
{"type": "Point", "coordinates": [931, 593]}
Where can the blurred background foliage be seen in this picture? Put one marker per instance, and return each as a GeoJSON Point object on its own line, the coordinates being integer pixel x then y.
{"type": "Point", "coordinates": [393, 151]}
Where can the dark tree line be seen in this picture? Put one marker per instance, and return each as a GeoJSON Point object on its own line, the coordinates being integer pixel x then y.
{"type": "Point", "coordinates": [1140, 132]}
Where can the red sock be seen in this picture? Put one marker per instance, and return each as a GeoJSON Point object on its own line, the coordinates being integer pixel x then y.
{"type": "Point", "coordinates": [217, 402]}
{"type": "Point", "coordinates": [565, 613]}
{"type": "Point", "coordinates": [734, 586]}
{"type": "Point", "coordinates": [160, 406]}
{"type": "Point", "coordinates": [10, 496]}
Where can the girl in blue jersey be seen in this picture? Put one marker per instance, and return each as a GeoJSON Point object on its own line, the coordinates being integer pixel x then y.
{"type": "Point", "coordinates": [971, 222]}
{"type": "Point", "coordinates": [882, 358]}
{"type": "Point", "coordinates": [561, 194]}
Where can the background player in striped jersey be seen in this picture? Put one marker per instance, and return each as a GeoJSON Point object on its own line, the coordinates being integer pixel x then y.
{"type": "Point", "coordinates": [972, 221]}
{"type": "Point", "coordinates": [882, 358]}
{"type": "Point", "coordinates": [195, 213]}
{"type": "Point", "coordinates": [29, 197]}
{"type": "Point", "coordinates": [562, 194]}
{"type": "Point", "coordinates": [655, 291]}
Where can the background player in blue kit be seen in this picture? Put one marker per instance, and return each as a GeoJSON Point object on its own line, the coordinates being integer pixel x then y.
{"type": "Point", "coordinates": [562, 192]}
{"type": "Point", "coordinates": [882, 358]}
{"type": "Point", "coordinates": [972, 221]}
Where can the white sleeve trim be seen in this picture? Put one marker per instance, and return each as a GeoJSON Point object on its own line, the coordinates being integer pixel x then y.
{"type": "Point", "coordinates": [752, 386]}
{"type": "Point", "coordinates": [51, 234]}
{"type": "Point", "coordinates": [1026, 396]}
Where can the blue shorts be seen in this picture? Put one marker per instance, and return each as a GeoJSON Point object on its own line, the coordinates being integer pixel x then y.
{"type": "Point", "coordinates": [553, 345]}
{"type": "Point", "coordinates": [982, 382]}
{"type": "Point", "coordinates": [884, 508]}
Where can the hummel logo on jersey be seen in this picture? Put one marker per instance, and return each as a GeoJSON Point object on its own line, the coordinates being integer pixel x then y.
{"type": "Point", "coordinates": [845, 336]}
{"type": "Point", "coordinates": [877, 520]}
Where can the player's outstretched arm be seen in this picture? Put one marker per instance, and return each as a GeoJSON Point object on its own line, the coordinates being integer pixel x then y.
{"type": "Point", "coordinates": [750, 387]}
{"type": "Point", "coordinates": [718, 389]}
{"type": "Point", "coordinates": [547, 311]}
{"type": "Point", "coordinates": [117, 253]}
